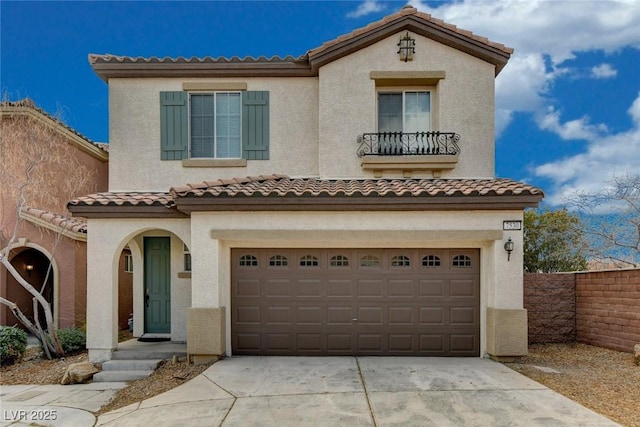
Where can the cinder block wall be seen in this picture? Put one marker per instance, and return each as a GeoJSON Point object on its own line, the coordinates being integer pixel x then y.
{"type": "Point", "coordinates": [608, 309]}
{"type": "Point", "coordinates": [550, 300]}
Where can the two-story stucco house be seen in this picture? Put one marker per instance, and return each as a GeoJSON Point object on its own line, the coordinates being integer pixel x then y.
{"type": "Point", "coordinates": [340, 203]}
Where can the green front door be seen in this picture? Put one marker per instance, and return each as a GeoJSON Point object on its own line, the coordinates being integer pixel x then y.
{"type": "Point", "coordinates": [157, 281]}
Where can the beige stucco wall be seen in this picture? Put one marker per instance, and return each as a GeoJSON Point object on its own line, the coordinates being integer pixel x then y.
{"type": "Point", "coordinates": [314, 122]}
{"type": "Point", "coordinates": [134, 134]}
{"type": "Point", "coordinates": [462, 102]}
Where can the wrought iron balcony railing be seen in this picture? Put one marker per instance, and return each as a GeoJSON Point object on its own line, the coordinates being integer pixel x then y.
{"type": "Point", "coordinates": [408, 144]}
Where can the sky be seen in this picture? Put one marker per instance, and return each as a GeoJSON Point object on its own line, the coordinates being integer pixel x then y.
{"type": "Point", "coordinates": [567, 103]}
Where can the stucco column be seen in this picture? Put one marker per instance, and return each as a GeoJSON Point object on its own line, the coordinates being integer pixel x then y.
{"type": "Point", "coordinates": [506, 319]}
{"type": "Point", "coordinates": [206, 319]}
{"type": "Point", "coordinates": [102, 291]}
{"type": "Point", "coordinates": [204, 265]}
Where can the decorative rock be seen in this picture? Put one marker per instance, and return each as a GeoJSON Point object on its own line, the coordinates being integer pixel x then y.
{"type": "Point", "coordinates": [78, 373]}
{"type": "Point", "coordinates": [636, 354]}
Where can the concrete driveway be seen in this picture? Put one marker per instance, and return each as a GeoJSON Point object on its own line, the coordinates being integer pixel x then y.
{"type": "Point", "coordinates": [362, 391]}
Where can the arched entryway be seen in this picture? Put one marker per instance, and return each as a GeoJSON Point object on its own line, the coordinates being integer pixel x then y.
{"type": "Point", "coordinates": [35, 267]}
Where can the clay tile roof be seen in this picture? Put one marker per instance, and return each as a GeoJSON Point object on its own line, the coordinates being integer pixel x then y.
{"type": "Point", "coordinates": [56, 222]}
{"type": "Point", "coordinates": [284, 190]}
{"type": "Point", "coordinates": [201, 188]}
{"type": "Point", "coordinates": [124, 199]}
{"type": "Point", "coordinates": [284, 186]}
{"type": "Point", "coordinates": [405, 11]}
{"type": "Point", "coordinates": [106, 58]}
{"type": "Point", "coordinates": [29, 104]}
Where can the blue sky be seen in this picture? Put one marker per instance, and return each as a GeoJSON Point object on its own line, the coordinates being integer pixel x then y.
{"type": "Point", "coordinates": [568, 102]}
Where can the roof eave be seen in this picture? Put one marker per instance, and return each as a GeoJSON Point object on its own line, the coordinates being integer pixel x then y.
{"type": "Point", "coordinates": [107, 69]}
{"type": "Point", "coordinates": [124, 211]}
{"type": "Point", "coordinates": [446, 36]}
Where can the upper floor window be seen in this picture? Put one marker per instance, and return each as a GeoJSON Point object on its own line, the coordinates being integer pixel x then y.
{"type": "Point", "coordinates": [216, 125]}
{"type": "Point", "coordinates": [406, 112]}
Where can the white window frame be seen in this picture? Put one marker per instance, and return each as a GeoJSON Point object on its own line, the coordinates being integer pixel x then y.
{"type": "Point", "coordinates": [404, 91]}
{"type": "Point", "coordinates": [128, 263]}
{"type": "Point", "coordinates": [215, 134]}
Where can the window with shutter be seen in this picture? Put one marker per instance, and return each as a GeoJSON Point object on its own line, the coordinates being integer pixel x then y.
{"type": "Point", "coordinates": [215, 125]}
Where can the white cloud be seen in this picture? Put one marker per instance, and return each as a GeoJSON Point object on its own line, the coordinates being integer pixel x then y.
{"type": "Point", "coordinates": [539, 30]}
{"type": "Point", "coordinates": [571, 130]}
{"type": "Point", "coordinates": [365, 8]}
{"type": "Point", "coordinates": [634, 111]}
{"type": "Point", "coordinates": [603, 71]}
{"type": "Point", "coordinates": [607, 155]}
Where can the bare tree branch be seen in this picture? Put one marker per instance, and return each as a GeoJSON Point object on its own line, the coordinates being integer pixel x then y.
{"type": "Point", "coordinates": [611, 220]}
{"type": "Point", "coordinates": [32, 156]}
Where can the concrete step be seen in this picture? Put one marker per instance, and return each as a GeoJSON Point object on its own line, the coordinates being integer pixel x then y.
{"type": "Point", "coordinates": [120, 376]}
{"type": "Point", "coordinates": [146, 354]}
{"type": "Point", "coordinates": [131, 365]}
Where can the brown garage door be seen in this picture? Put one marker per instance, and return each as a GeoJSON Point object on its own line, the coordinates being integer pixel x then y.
{"type": "Point", "coordinates": [355, 302]}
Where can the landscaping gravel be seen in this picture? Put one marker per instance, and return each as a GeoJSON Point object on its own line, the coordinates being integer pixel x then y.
{"type": "Point", "coordinates": [606, 381]}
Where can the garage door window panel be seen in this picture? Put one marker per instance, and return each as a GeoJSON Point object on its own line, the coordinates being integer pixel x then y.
{"type": "Point", "coordinates": [339, 261]}
{"type": "Point", "coordinates": [248, 261]}
{"type": "Point", "coordinates": [278, 261]}
{"type": "Point", "coordinates": [370, 261]}
{"type": "Point", "coordinates": [431, 261]}
{"type": "Point", "coordinates": [401, 261]}
{"type": "Point", "coordinates": [461, 261]}
{"type": "Point", "coordinates": [309, 261]}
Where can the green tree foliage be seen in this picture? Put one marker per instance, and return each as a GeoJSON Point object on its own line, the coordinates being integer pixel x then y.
{"type": "Point", "coordinates": [13, 343]}
{"type": "Point", "coordinates": [553, 242]}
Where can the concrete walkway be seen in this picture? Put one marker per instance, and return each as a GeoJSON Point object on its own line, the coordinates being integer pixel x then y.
{"type": "Point", "coordinates": [54, 405]}
{"type": "Point", "coordinates": [363, 391]}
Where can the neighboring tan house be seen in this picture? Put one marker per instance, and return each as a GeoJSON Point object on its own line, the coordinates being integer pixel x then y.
{"type": "Point", "coordinates": [49, 245]}
{"type": "Point", "coordinates": [370, 221]}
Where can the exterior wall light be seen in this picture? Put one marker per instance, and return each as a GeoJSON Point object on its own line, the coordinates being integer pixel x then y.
{"type": "Point", "coordinates": [508, 246]}
{"type": "Point", "coordinates": [29, 268]}
{"type": "Point", "coordinates": [406, 48]}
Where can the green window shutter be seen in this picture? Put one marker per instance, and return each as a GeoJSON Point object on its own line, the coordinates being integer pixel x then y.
{"type": "Point", "coordinates": [255, 125]}
{"type": "Point", "coordinates": [174, 125]}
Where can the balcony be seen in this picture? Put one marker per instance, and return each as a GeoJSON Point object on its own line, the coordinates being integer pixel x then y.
{"type": "Point", "coordinates": [409, 152]}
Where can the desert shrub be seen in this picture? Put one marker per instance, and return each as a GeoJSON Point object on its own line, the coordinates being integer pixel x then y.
{"type": "Point", "coordinates": [13, 343]}
{"type": "Point", "coordinates": [72, 339]}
